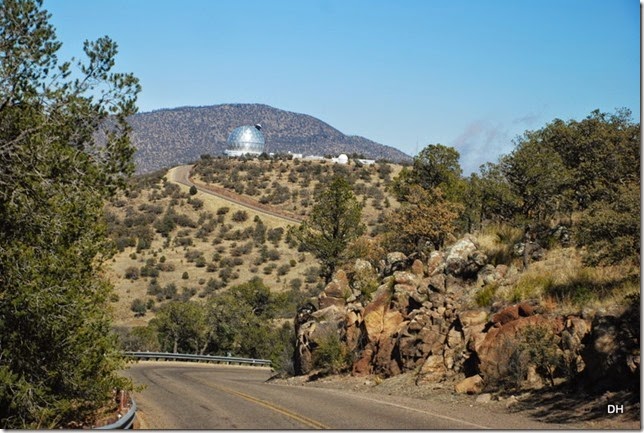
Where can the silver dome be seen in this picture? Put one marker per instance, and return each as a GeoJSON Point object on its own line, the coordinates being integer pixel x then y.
{"type": "Point", "coordinates": [245, 139]}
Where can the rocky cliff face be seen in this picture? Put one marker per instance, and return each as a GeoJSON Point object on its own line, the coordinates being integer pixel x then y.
{"type": "Point", "coordinates": [420, 319]}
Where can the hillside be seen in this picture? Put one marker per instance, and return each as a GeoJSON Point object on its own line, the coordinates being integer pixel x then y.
{"type": "Point", "coordinates": [177, 246]}
{"type": "Point", "coordinates": [168, 137]}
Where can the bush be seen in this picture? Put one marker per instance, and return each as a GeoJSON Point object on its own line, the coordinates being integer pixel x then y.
{"type": "Point", "coordinates": [485, 296]}
{"type": "Point", "coordinates": [132, 273]}
{"type": "Point", "coordinates": [138, 306]}
{"type": "Point", "coordinates": [240, 216]}
{"type": "Point", "coordinates": [331, 355]}
{"type": "Point", "coordinates": [283, 269]}
{"type": "Point", "coordinates": [537, 346]}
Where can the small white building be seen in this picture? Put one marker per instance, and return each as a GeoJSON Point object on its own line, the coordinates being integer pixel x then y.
{"type": "Point", "coordinates": [341, 159]}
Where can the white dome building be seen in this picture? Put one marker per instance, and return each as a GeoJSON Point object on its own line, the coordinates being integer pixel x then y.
{"type": "Point", "coordinates": [341, 159]}
{"type": "Point", "coordinates": [246, 140]}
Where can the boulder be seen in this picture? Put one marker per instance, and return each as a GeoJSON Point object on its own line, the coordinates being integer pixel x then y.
{"type": "Point", "coordinates": [463, 259]}
{"type": "Point", "coordinates": [417, 268]}
{"type": "Point", "coordinates": [433, 370]}
{"type": "Point", "coordinates": [472, 317]}
{"type": "Point", "coordinates": [406, 278]}
{"type": "Point", "coordinates": [436, 283]}
{"type": "Point", "coordinates": [499, 343]}
{"type": "Point", "coordinates": [470, 385]}
{"type": "Point", "coordinates": [363, 366]}
{"type": "Point", "coordinates": [336, 292]}
{"type": "Point", "coordinates": [435, 263]}
{"type": "Point", "coordinates": [513, 312]}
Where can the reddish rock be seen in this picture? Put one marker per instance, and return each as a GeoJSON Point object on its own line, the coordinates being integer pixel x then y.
{"type": "Point", "coordinates": [362, 366]}
{"type": "Point", "coordinates": [382, 358]}
{"type": "Point", "coordinates": [497, 347]}
{"type": "Point", "coordinates": [417, 268]}
{"type": "Point", "coordinates": [406, 278]}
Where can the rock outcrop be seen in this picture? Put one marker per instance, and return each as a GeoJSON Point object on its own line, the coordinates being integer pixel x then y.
{"type": "Point", "coordinates": [420, 319]}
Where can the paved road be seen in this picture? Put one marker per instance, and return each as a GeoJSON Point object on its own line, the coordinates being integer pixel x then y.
{"type": "Point", "coordinates": [201, 396]}
{"type": "Point", "coordinates": [181, 174]}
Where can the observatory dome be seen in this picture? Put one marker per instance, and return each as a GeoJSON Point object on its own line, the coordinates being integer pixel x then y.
{"type": "Point", "coordinates": [245, 139]}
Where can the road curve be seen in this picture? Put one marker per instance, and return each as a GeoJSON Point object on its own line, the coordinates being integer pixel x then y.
{"type": "Point", "coordinates": [204, 396]}
{"type": "Point", "coordinates": [181, 174]}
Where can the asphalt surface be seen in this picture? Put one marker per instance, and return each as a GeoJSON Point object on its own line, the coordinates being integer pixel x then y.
{"type": "Point", "coordinates": [204, 396]}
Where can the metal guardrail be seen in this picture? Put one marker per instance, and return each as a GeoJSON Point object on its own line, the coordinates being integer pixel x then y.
{"type": "Point", "coordinates": [126, 422]}
{"type": "Point", "coordinates": [158, 356]}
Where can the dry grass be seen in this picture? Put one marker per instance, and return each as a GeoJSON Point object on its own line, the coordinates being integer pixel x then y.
{"type": "Point", "coordinates": [563, 284]}
{"type": "Point", "coordinates": [129, 290]}
{"type": "Point", "coordinates": [497, 242]}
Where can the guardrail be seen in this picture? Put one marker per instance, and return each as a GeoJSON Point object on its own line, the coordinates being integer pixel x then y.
{"type": "Point", "coordinates": [230, 360]}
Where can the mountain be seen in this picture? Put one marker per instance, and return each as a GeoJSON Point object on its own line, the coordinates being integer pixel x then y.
{"type": "Point", "coordinates": [168, 137]}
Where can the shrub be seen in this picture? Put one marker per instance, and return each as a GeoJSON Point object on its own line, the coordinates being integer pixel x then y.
{"type": "Point", "coordinates": [535, 345]}
{"type": "Point", "coordinates": [283, 269]}
{"type": "Point", "coordinates": [138, 307]}
{"type": "Point", "coordinates": [485, 296]}
{"type": "Point", "coordinates": [240, 216]}
{"type": "Point", "coordinates": [132, 273]}
{"type": "Point", "coordinates": [268, 269]}
{"type": "Point", "coordinates": [331, 355]}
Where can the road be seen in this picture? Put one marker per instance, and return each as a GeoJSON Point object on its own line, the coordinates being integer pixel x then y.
{"type": "Point", "coordinates": [204, 396]}
{"type": "Point", "coordinates": [181, 175]}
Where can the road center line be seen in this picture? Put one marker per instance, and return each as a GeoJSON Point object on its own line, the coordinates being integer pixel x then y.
{"type": "Point", "coordinates": [426, 412]}
{"type": "Point", "coordinates": [299, 418]}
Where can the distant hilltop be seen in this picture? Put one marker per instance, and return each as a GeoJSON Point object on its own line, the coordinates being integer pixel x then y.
{"type": "Point", "coordinates": [169, 137]}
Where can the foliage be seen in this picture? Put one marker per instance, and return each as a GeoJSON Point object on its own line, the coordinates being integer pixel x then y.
{"type": "Point", "coordinates": [333, 223]}
{"type": "Point", "coordinates": [182, 327]}
{"type": "Point", "coordinates": [537, 175]}
{"type": "Point", "coordinates": [436, 166]}
{"type": "Point", "coordinates": [425, 217]}
{"type": "Point", "coordinates": [61, 157]}
{"type": "Point", "coordinates": [331, 354]}
{"type": "Point", "coordinates": [536, 345]}
{"type": "Point", "coordinates": [485, 296]}
{"type": "Point", "coordinates": [138, 307]}
{"type": "Point", "coordinates": [611, 229]}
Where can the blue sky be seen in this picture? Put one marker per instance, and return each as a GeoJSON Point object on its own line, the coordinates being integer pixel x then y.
{"type": "Point", "coordinates": [468, 74]}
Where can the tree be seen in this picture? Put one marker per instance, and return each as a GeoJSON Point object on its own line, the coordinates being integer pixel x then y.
{"type": "Point", "coordinates": [611, 229]}
{"type": "Point", "coordinates": [601, 151]}
{"type": "Point", "coordinates": [538, 177]}
{"type": "Point", "coordinates": [241, 322]}
{"type": "Point", "coordinates": [437, 166]}
{"type": "Point", "coordinates": [498, 202]}
{"type": "Point", "coordinates": [64, 149]}
{"type": "Point", "coordinates": [334, 222]}
{"type": "Point", "coordinates": [182, 327]}
{"type": "Point", "coordinates": [426, 216]}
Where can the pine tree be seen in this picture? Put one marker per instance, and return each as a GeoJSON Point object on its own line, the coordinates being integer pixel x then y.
{"type": "Point", "coordinates": [64, 149]}
{"type": "Point", "coordinates": [334, 222]}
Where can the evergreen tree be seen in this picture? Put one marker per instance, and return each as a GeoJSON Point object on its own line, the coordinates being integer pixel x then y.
{"type": "Point", "coordinates": [334, 222]}
{"type": "Point", "coordinates": [64, 149]}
